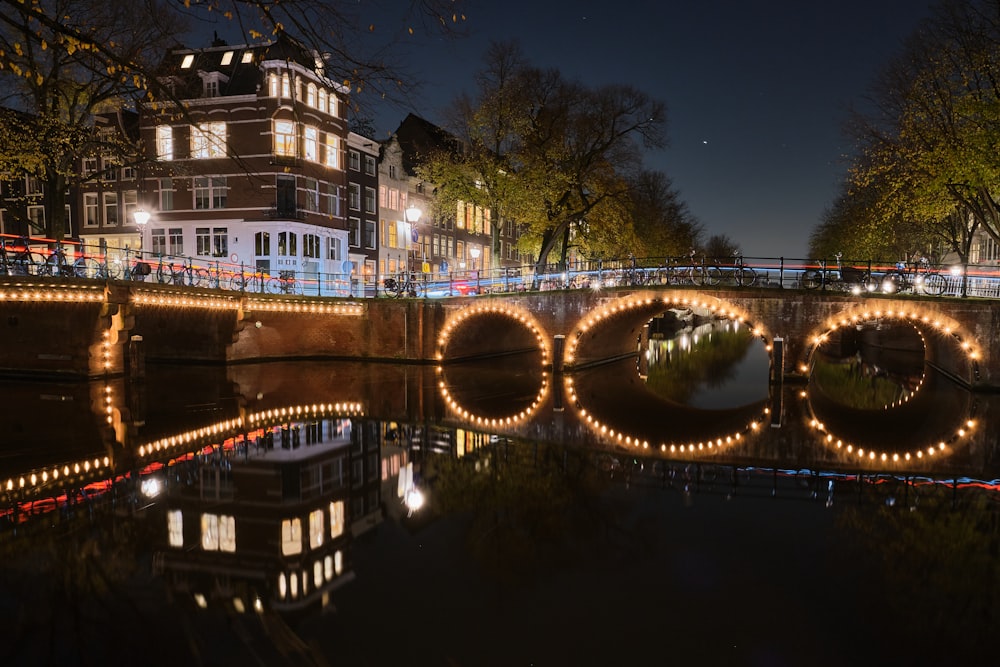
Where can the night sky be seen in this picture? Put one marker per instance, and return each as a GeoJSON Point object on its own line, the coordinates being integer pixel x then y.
{"type": "Point", "coordinates": [757, 93]}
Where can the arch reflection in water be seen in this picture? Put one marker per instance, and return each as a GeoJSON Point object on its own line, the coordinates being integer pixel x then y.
{"type": "Point", "coordinates": [874, 396]}
{"type": "Point", "coordinates": [699, 387]}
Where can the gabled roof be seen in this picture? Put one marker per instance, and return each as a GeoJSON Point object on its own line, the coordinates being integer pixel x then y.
{"type": "Point", "coordinates": [419, 138]}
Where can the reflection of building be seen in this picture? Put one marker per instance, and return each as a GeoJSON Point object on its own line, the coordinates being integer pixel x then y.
{"type": "Point", "coordinates": [265, 524]}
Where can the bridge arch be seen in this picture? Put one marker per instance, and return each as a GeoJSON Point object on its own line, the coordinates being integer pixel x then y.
{"type": "Point", "coordinates": [491, 329]}
{"type": "Point", "coordinates": [947, 345]}
{"type": "Point", "coordinates": [615, 329]}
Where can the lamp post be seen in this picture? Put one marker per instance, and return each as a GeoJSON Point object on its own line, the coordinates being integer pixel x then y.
{"type": "Point", "coordinates": [474, 251]}
{"type": "Point", "coordinates": [141, 218]}
{"type": "Point", "coordinates": [412, 215]}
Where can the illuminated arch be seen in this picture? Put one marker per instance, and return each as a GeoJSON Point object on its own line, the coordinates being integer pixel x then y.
{"type": "Point", "coordinates": [463, 413]}
{"type": "Point", "coordinates": [921, 319]}
{"type": "Point", "coordinates": [519, 316]}
{"type": "Point", "coordinates": [650, 303]}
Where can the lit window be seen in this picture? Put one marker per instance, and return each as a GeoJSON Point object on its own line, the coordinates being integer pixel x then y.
{"type": "Point", "coordinates": [322, 101]}
{"type": "Point", "coordinates": [164, 142]}
{"type": "Point", "coordinates": [110, 208]}
{"type": "Point", "coordinates": [227, 533]}
{"type": "Point", "coordinates": [227, 57]}
{"type": "Point", "coordinates": [175, 528]}
{"type": "Point", "coordinates": [311, 95]}
{"type": "Point", "coordinates": [311, 147]}
{"type": "Point", "coordinates": [284, 138]}
{"type": "Point", "coordinates": [317, 574]}
{"type": "Point", "coordinates": [286, 89]}
{"type": "Point", "coordinates": [272, 85]}
{"type": "Point", "coordinates": [209, 532]}
{"type": "Point", "coordinates": [332, 159]}
{"type": "Point", "coordinates": [208, 140]}
{"type": "Point", "coordinates": [247, 57]}
{"type": "Point", "coordinates": [291, 537]}
{"type": "Point", "coordinates": [337, 519]}
{"type": "Point", "coordinates": [90, 209]}
{"type": "Point", "coordinates": [316, 529]}
{"type": "Point", "coordinates": [188, 61]}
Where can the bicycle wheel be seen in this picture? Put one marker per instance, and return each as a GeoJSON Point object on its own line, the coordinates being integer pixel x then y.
{"type": "Point", "coordinates": [237, 283]}
{"type": "Point", "coordinates": [745, 276]}
{"type": "Point", "coordinates": [274, 285]}
{"type": "Point", "coordinates": [199, 277]}
{"type": "Point", "coordinates": [934, 284]}
{"type": "Point", "coordinates": [164, 274]}
{"type": "Point", "coordinates": [86, 267]}
{"type": "Point", "coordinates": [893, 282]}
{"type": "Point", "coordinates": [711, 275]}
{"type": "Point", "coordinates": [811, 278]}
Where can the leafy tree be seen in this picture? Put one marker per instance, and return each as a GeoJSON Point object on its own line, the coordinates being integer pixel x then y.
{"type": "Point", "coordinates": [929, 149]}
{"type": "Point", "coordinates": [551, 154]}
{"type": "Point", "coordinates": [664, 227]}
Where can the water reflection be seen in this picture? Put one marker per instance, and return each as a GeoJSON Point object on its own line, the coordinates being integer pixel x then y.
{"type": "Point", "coordinates": [257, 513]}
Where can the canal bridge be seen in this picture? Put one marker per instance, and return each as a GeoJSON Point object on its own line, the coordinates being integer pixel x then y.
{"type": "Point", "coordinates": [78, 328]}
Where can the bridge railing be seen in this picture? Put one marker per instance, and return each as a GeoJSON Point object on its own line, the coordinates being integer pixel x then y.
{"type": "Point", "coordinates": [42, 257]}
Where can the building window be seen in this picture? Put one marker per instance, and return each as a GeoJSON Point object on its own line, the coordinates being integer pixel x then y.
{"type": "Point", "coordinates": [164, 142]}
{"type": "Point", "coordinates": [393, 234]}
{"type": "Point", "coordinates": [158, 237]}
{"type": "Point", "coordinates": [211, 88]}
{"type": "Point", "coordinates": [176, 237]}
{"type": "Point", "coordinates": [354, 160]}
{"type": "Point", "coordinates": [316, 529]}
{"type": "Point", "coordinates": [128, 173]}
{"type": "Point", "coordinates": [203, 241]}
{"type": "Point", "coordinates": [332, 203]}
{"type": "Point", "coordinates": [322, 100]}
{"type": "Point", "coordinates": [354, 232]}
{"type": "Point", "coordinates": [392, 171]}
{"type": "Point", "coordinates": [354, 196]}
{"type": "Point", "coordinates": [227, 58]}
{"type": "Point", "coordinates": [311, 189]}
{"type": "Point", "coordinates": [220, 242]}
{"type": "Point", "coordinates": [311, 144]}
{"type": "Point", "coordinates": [286, 88]}
{"type": "Point", "coordinates": [336, 519]}
{"type": "Point", "coordinates": [334, 249]}
{"type": "Point", "coordinates": [382, 197]}
{"type": "Point", "coordinates": [90, 209]}
{"type": "Point", "coordinates": [284, 138]}
{"type": "Point", "coordinates": [36, 216]}
{"type": "Point", "coordinates": [285, 205]}
{"type": "Point", "coordinates": [311, 95]}
{"type": "Point", "coordinates": [310, 246]}
{"type": "Point", "coordinates": [208, 140]}
{"type": "Point", "coordinates": [90, 166]}
{"type": "Point", "coordinates": [175, 528]}
{"type": "Point", "coordinates": [166, 194]}
{"type": "Point", "coordinates": [272, 85]}
{"type": "Point", "coordinates": [209, 192]}
{"type": "Point", "coordinates": [291, 537]}
{"type": "Point", "coordinates": [370, 165]}
{"type": "Point", "coordinates": [369, 234]}
{"type": "Point", "coordinates": [187, 61]}
{"type": "Point", "coordinates": [130, 199]}
{"type": "Point", "coordinates": [262, 244]}
{"type": "Point", "coordinates": [209, 532]}
{"type": "Point", "coordinates": [332, 153]}
{"type": "Point", "coordinates": [370, 200]}
{"type": "Point", "coordinates": [110, 208]}
{"type": "Point", "coordinates": [288, 244]}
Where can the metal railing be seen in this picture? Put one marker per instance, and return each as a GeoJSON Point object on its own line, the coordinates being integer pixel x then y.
{"type": "Point", "coordinates": [40, 257]}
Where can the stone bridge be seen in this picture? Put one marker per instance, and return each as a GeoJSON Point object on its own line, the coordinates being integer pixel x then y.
{"type": "Point", "coordinates": [68, 328]}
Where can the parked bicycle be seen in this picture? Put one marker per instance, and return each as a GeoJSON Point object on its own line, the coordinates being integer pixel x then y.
{"type": "Point", "coordinates": [59, 264]}
{"type": "Point", "coordinates": [122, 266]}
{"type": "Point", "coordinates": [743, 275]}
{"type": "Point", "coordinates": [404, 284]}
{"type": "Point", "coordinates": [917, 276]}
{"type": "Point", "coordinates": [283, 283]}
{"type": "Point", "coordinates": [849, 278]}
{"type": "Point", "coordinates": [247, 281]}
{"type": "Point", "coordinates": [17, 258]}
{"type": "Point", "coordinates": [693, 272]}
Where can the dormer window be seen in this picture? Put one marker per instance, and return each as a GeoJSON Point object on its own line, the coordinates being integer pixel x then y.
{"type": "Point", "coordinates": [227, 58]}
{"type": "Point", "coordinates": [247, 57]}
{"type": "Point", "coordinates": [212, 83]}
{"type": "Point", "coordinates": [188, 61]}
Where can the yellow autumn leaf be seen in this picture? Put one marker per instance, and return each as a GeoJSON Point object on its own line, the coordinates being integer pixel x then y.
{"type": "Point", "coordinates": [45, 45]}
{"type": "Point", "coordinates": [410, 30]}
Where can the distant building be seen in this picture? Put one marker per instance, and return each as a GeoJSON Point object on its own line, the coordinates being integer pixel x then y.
{"type": "Point", "coordinates": [250, 173]}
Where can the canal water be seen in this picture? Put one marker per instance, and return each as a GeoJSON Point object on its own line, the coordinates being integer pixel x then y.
{"type": "Point", "coordinates": [670, 508]}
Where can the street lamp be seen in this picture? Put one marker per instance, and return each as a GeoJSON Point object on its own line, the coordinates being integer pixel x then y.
{"type": "Point", "coordinates": [475, 251]}
{"type": "Point", "coordinates": [412, 215]}
{"type": "Point", "coordinates": [141, 218]}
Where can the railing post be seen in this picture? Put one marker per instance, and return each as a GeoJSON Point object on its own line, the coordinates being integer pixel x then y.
{"type": "Point", "coordinates": [822, 274]}
{"type": "Point", "coordinates": [781, 272]}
